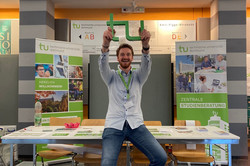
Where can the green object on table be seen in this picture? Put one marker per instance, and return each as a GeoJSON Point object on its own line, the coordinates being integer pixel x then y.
{"type": "Point", "coordinates": [219, 71]}
{"type": "Point", "coordinates": [113, 23]}
{"type": "Point", "coordinates": [60, 134]}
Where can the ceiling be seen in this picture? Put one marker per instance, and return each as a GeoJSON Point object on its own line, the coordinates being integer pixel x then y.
{"type": "Point", "coordinates": [120, 3]}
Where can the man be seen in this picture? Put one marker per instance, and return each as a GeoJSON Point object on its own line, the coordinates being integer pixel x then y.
{"type": "Point", "coordinates": [73, 90]}
{"type": "Point", "coordinates": [206, 64]}
{"type": "Point", "coordinates": [40, 71]}
{"type": "Point", "coordinates": [124, 118]}
{"type": "Point", "coordinates": [180, 79]}
{"type": "Point", "coordinates": [185, 82]}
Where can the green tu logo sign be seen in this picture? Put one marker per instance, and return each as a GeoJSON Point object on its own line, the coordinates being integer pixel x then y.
{"type": "Point", "coordinates": [183, 49]}
{"type": "Point", "coordinates": [76, 26]}
{"type": "Point", "coordinates": [43, 47]}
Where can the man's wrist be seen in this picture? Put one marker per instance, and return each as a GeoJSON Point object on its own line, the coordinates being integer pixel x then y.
{"type": "Point", "coordinates": [145, 48]}
{"type": "Point", "coordinates": [105, 48]}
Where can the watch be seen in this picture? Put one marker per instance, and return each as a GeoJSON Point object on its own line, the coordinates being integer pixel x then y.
{"type": "Point", "coordinates": [146, 49]}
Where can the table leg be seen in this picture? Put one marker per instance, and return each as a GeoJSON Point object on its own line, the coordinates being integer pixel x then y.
{"type": "Point", "coordinates": [211, 152]}
{"type": "Point", "coordinates": [34, 155]}
{"type": "Point", "coordinates": [128, 154]}
{"type": "Point", "coordinates": [229, 155]}
{"type": "Point", "coordinates": [11, 154]}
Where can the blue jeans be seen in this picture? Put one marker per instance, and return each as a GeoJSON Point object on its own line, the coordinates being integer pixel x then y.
{"type": "Point", "coordinates": [112, 140]}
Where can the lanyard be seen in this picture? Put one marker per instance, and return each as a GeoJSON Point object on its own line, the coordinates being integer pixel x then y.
{"type": "Point", "coordinates": [124, 82]}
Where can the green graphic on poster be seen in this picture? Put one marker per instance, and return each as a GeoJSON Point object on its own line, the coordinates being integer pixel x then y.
{"type": "Point", "coordinates": [201, 86]}
{"type": "Point", "coordinates": [5, 37]}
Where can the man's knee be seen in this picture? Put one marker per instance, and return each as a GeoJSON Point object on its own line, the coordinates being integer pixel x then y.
{"type": "Point", "coordinates": [109, 162]}
{"type": "Point", "coordinates": [159, 160]}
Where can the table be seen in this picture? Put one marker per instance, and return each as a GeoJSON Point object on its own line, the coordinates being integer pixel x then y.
{"type": "Point", "coordinates": [93, 135]}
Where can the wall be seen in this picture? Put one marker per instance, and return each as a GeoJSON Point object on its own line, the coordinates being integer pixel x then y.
{"type": "Point", "coordinates": [100, 14]}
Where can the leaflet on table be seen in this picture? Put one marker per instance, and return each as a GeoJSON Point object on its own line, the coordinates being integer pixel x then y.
{"type": "Point", "coordinates": [25, 134]}
{"type": "Point", "coordinates": [221, 132]}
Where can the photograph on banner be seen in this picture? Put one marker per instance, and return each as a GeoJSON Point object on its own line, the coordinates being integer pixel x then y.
{"type": "Point", "coordinates": [75, 72]}
{"type": "Point", "coordinates": [210, 83]}
{"type": "Point", "coordinates": [61, 66]}
{"type": "Point", "coordinates": [44, 70]}
{"type": "Point", "coordinates": [210, 63]}
{"type": "Point", "coordinates": [75, 90]}
{"type": "Point", "coordinates": [53, 101]}
{"type": "Point", "coordinates": [185, 73]}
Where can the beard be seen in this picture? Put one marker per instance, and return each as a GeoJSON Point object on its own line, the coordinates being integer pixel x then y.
{"type": "Point", "coordinates": [125, 65]}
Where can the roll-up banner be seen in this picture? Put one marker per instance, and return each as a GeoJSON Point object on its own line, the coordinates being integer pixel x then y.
{"type": "Point", "coordinates": [201, 86]}
{"type": "Point", "coordinates": [58, 80]}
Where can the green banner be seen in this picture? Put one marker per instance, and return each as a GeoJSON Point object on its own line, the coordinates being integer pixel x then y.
{"type": "Point", "coordinates": [58, 80]}
{"type": "Point", "coordinates": [5, 37]}
{"type": "Point", "coordinates": [201, 86]}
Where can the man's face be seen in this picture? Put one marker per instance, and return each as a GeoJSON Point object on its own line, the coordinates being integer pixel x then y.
{"type": "Point", "coordinates": [125, 57]}
{"type": "Point", "coordinates": [40, 71]}
{"type": "Point", "coordinates": [206, 59]}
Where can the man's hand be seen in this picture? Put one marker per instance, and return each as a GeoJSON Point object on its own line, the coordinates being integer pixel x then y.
{"type": "Point", "coordinates": [145, 37]}
{"type": "Point", "coordinates": [107, 37]}
{"type": "Point", "coordinates": [47, 74]}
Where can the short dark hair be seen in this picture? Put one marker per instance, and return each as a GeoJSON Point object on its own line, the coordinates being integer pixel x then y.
{"type": "Point", "coordinates": [39, 66]}
{"type": "Point", "coordinates": [202, 78]}
{"type": "Point", "coordinates": [124, 46]}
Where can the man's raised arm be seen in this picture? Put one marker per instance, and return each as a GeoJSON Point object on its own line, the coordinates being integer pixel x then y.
{"type": "Point", "coordinates": [103, 62]}
{"type": "Point", "coordinates": [146, 62]}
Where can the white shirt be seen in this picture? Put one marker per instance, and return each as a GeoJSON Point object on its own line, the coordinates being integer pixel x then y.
{"type": "Point", "coordinates": [120, 108]}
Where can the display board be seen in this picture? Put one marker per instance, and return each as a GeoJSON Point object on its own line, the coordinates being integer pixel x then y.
{"type": "Point", "coordinates": [164, 33]}
{"type": "Point", "coordinates": [59, 79]}
{"type": "Point", "coordinates": [201, 86]}
{"type": "Point", "coordinates": [156, 94]}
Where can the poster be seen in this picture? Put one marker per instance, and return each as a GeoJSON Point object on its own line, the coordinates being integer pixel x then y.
{"type": "Point", "coordinates": [5, 37]}
{"type": "Point", "coordinates": [9, 36]}
{"type": "Point", "coordinates": [59, 79]}
{"type": "Point", "coordinates": [164, 34]}
{"type": "Point", "coordinates": [201, 86]}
